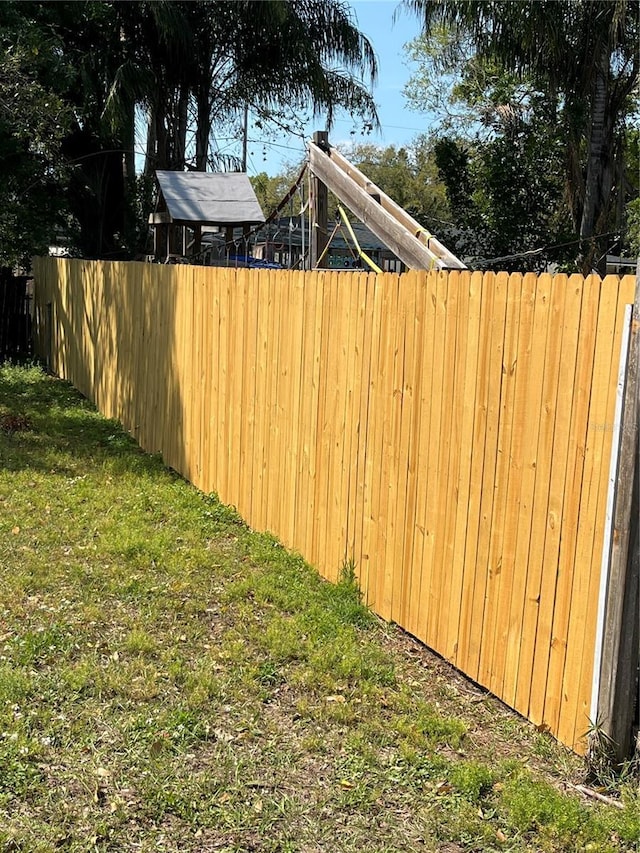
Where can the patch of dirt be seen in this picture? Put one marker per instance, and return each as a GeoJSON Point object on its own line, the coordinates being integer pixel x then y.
{"type": "Point", "coordinates": [11, 423]}
{"type": "Point", "coordinates": [452, 693]}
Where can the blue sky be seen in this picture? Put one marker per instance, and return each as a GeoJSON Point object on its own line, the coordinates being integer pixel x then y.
{"type": "Point", "coordinates": [399, 124]}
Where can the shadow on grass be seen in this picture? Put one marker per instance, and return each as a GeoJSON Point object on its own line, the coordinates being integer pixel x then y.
{"type": "Point", "coordinates": [48, 425]}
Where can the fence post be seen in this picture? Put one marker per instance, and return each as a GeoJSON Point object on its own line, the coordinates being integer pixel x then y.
{"type": "Point", "coordinates": [319, 212]}
{"type": "Point", "coordinates": [621, 650]}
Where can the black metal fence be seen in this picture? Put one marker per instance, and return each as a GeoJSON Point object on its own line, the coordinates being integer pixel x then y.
{"type": "Point", "coordinates": [16, 298]}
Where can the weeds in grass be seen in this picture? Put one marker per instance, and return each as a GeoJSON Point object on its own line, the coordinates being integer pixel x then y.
{"type": "Point", "coordinates": [171, 680]}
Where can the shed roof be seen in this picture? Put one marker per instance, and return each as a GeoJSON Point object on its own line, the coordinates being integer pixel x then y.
{"type": "Point", "coordinates": [210, 198]}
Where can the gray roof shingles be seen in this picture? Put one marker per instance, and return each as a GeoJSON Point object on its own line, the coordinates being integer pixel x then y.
{"type": "Point", "coordinates": [210, 198]}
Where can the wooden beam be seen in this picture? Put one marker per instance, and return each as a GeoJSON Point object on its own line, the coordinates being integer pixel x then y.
{"type": "Point", "coordinates": [398, 213]}
{"type": "Point", "coordinates": [620, 649]}
{"type": "Point", "coordinates": [383, 223]}
{"type": "Point", "coordinates": [320, 209]}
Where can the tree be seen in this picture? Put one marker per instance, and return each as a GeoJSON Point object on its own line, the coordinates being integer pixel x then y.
{"type": "Point", "coordinates": [33, 120]}
{"type": "Point", "coordinates": [583, 55]}
{"type": "Point", "coordinates": [270, 191]}
{"type": "Point", "coordinates": [409, 175]}
{"type": "Point", "coordinates": [188, 67]}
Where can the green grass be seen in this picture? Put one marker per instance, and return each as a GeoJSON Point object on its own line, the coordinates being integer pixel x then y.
{"type": "Point", "coordinates": [171, 680]}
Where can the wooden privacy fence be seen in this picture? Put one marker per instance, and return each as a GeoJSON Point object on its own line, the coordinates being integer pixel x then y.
{"type": "Point", "coordinates": [449, 432]}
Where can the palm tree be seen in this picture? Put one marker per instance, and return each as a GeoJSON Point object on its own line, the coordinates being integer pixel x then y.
{"type": "Point", "coordinates": [268, 54]}
{"type": "Point", "coordinates": [584, 54]}
{"type": "Point", "coordinates": [189, 66]}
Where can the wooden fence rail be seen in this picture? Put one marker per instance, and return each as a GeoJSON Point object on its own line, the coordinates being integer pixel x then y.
{"type": "Point", "coordinates": [449, 432]}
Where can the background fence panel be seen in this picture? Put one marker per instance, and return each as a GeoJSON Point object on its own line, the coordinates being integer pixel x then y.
{"type": "Point", "coordinates": [449, 433]}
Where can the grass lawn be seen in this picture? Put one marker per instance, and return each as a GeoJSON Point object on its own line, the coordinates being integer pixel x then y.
{"type": "Point", "coordinates": [172, 681]}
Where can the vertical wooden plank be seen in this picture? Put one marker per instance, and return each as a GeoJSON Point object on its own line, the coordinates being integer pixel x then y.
{"type": "Point", "coordinates": [353, 378]}
{"type": "Point", "coordinates": [421, 574]}
{"type": "Point", "coordinates": [465, 654]}
{"type": "Point", "coordinates": [308, 402]}
{"type": "Point", "coordinates": [142, 390]}
{"type": "Point", "coordinates": [248, 404]}
{"type": "Point", "coordinates": [470, 328]}
{"type": "Point", "coordinates": [237, 334]}
{"type": "Point", "coordinates": [503, 499]}
{"type": "Point", "coordinates": [264, 289]}
{"type": "Point", "coordinates": [216, 283]}
{"type": "Point", "coordinates": [222, 438]}
{"type": "Point", "coordinates": [381, 344]}
{"type": "Point", "coordinates": [430, 570]}
{"type": "Point", "coordinates": [197, 374]}
{"type": "Point", "coordinates": [316, 283]}
{"type": "Point", "coordinates": [293, 517]}
{"type": "Point", "coordinates": [447, 463]}
{"type": "Point", "coordinates": [399, 446]}
{"type": "Point", "coordinates": [450, 576]}
{"type": "Point", "coordinates": [168, 394]}
{"type": "Point", "coordinates": [412, 416]}
{"type": "Point", "coordinates": [371, 480]}
{"type": "Point", "coordinates": [540, 509]}
{"type": "Point", "coordinates": [186, 390]}
{"type": "Point", "coordinates": [557, 478]}
{"type": "Point", "coordinates": [171, 391]}
{"type": "Point", "coordinates": [203, 280]}
{"type": "Point", "coordinates": [533, 390]}
{"type": "Point", "coordinates": [388, 355]}
{"type": "Point", "coordinates": [326, 363]}
{"type": "Point", "coordinates": [277, 459]}
{"type": "Point", "coordinates": [273, 425]}
{"type": "Point", "coordinates": [362, 365]}
{"type": "Point", "coordinates": [484, 580]}
{"type": "Point", "coordinates": [159, 342]}
{"type": "Point", "coordinates": [336, 386]}
{"type": "Point", "coordinates": [294, 440]}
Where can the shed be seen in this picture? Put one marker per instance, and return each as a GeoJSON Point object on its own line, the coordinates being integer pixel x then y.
{"type": "Point", "coordinates": [187, 201]}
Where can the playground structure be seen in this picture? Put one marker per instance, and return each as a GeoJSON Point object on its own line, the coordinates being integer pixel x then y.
{"type": "Point", "coordinates": [215, 219]}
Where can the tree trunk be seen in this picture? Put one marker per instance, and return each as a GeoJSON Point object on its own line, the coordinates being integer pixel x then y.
{"type": "Point", "coordinates": [150, 156]}
{"type": "Point", "coordinates": [180, 125]}
{"type": "Point", "coordinates": [162, 149]}
{"type": "Point", "coordinates": [203, 129]}
{"type": "Point", "coordinates": [129, 140]}
{"type": "Point", "coordinates": [599, 174]}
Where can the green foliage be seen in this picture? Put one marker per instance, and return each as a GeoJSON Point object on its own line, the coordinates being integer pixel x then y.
{"type": "Point", "coordinates": [500, 154]}
{"type": "Point", "coordinates": [271, 190]}
{"type": "Point", "coordinates": [534, 806]}
{"type": "Point", "coordinates": [409, 175]}
{"type": "Point", "coordinates": [507, 197]}
{"type": "Point", "coordinates": [633, 228]}
{"type": "Point", "coordinates": [567, 73]}
{"type": "Point", "coordinates": [33, 120]}
{"type": "Point", "coordinates": [79, 80]}
{"type": "Point", "coordinates": [472, 779]}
